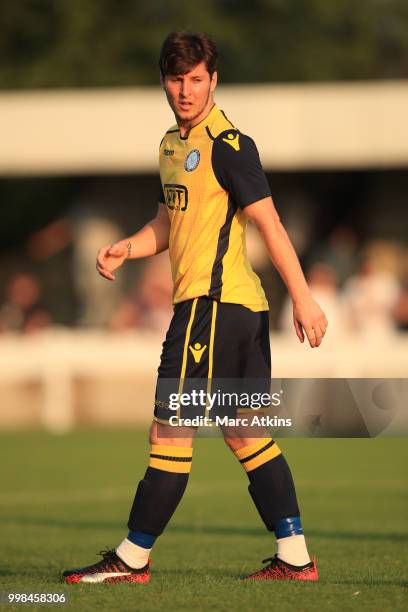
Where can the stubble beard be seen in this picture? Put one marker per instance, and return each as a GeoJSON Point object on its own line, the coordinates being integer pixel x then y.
{"type": "Point", "coordinates": [191, 118]}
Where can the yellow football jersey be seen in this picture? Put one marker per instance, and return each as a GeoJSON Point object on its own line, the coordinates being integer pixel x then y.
{"type": "Point", "coordinates": [207, 179]}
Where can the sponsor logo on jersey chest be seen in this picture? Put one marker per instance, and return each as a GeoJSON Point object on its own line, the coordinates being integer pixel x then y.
{"type": "Point", "coordinates": [192, 160]}
{"type": "Point", "coordinates": [176, 196]}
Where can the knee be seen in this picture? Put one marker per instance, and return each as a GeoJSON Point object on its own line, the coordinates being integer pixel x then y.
{"type": "Point", "coordinates": [243, 435]}
{"type": "Point", "coordinates": [164, 435]}
{"type": "Point", "coordinates": [236, 443]}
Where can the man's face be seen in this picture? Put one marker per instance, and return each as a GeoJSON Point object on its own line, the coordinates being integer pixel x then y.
{"type": "Point", "coordinates": [189, 94]}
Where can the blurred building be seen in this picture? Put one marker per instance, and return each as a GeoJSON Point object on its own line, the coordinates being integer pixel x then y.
{"type": "Point", "coordinates": [336, 157]}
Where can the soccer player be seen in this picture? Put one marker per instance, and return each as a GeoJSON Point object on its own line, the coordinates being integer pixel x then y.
{"type": "Point", "coordinates": [212, 184]}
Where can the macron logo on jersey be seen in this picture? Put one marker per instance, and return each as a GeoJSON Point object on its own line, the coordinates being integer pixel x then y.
{"type": "Point", "coordinates": [233, 140]}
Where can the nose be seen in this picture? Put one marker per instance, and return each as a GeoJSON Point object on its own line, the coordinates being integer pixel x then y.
{"type": "Point", "coordinates": [185, 88]}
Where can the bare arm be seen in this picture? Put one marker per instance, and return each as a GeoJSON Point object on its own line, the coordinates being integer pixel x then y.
{"type": "Point", "coordinates": [153, 238]}
{"type": "Point", "coordinates": [307, 314]}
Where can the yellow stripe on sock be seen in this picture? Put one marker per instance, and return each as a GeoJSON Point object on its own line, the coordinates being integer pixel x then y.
{"type": "Point", "coordinates": [170, 458]}
{"type": "Point", "coordinates": [165, 465]}
{"type": "Point", "coordinates": [247, 451]}
{"type": "Point", "coordinates": [262, 458]}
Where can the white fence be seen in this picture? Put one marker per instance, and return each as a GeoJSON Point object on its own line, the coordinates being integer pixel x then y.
{"type": "Point", "coordinates": [63, 378]}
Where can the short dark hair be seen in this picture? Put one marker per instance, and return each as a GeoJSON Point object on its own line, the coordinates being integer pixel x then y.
{"type": "Point", "coordinates": [181, 51]}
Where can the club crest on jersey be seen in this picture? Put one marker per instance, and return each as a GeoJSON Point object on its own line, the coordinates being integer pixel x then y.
{"type": "Point", "coordinates": [192, 160]}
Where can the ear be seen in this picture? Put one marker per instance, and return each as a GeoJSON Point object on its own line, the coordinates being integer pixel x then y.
{"type": "Point", "coordinates": [161, 80]}
{"type": "Point", "coordinates": [213, 83]}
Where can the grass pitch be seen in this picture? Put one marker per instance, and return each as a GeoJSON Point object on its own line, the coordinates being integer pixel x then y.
{"type": "Point", "coordinates": [63, 499]}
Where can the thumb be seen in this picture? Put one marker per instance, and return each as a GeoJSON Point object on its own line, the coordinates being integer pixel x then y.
{"type": "Point", "coordinates": [116, 250]}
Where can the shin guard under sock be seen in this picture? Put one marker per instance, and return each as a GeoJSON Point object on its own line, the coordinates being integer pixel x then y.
{"type": "Point", "coordinates": [271, 484]}
{"type": "Point", "coordinates": [160, 491]}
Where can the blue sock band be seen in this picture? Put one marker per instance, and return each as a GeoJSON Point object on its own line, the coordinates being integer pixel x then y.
{"type": "Point", "coordinates": [145, 540]}
{"type": "Point", "coordinates": [288, 527]}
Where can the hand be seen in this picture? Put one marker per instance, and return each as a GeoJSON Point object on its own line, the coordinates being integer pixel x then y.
{"type": "Point", "coordinates": [110, 258]}
{"type": "Point", "coordinates": [309, 318]}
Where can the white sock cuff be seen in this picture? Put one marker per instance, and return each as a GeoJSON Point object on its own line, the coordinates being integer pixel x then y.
{"type": "Point", "coordinates": [293, 550]}
{"type": "Point", "coordinates": [133, 555]}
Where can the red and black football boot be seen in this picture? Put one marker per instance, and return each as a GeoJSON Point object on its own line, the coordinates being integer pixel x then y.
{"type": "Point", "coordinates": [280, 570]}
{"type": "Point", "coordinates": [110, 569]}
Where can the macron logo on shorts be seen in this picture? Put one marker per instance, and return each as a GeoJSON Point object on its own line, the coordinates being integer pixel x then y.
{"type": "Point", "coordinates": [197, 351]}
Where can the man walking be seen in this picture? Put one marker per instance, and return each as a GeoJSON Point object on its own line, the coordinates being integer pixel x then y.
{"type": "Point", "coordinates": [212, 184]}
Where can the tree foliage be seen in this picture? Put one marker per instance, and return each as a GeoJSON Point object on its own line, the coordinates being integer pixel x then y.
{"type": "Point", "coordinates": [78, 43]}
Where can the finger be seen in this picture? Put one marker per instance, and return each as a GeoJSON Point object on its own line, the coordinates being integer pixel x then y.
{"type": "Point", "coordinates": [323, 328]}
{"type": "Point", "coordinates": [299, 330]}
{"type": "Point", "coordinates": [318, 335]}
{"type": "Point", "coordinates": [108, 275]}
{"type": "Point", "coordinates": [101, 268]}
{"type": "Point", "coordinates": [102, 256]}
{"type": "Point", "coordinates": [105, 273]}
{"type": "Point", "coordinates": [311, 336]}
{"type": "Point", "coordinates": [101, 262]}
{"type": "Point", "coordinates": [103, 251]}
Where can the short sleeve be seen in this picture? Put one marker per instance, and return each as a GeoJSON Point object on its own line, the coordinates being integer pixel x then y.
{"type": "Point", "coordinates": [237, 167]}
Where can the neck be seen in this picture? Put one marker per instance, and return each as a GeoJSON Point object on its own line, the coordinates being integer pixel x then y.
{"type": "Point", "coordinates": [186, 126]}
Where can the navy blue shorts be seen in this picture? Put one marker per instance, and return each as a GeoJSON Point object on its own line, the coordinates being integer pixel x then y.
{"type": "Point", "coordinates": [210, 340]}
